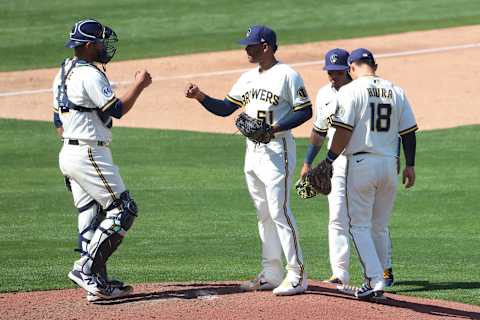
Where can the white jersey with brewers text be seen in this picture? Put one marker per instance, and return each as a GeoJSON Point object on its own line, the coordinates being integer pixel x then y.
{"type": "Point", "coordinates": [376, 111]}
{"type": "Point", "coordinates": [88, 87]}
{"type": "Point", "coordinates": [271, 94]}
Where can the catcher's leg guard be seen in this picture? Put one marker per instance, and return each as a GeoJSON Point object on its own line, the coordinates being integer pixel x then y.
{"type": "Point", "coordinates": [89, 218]}
{"type": "Point", "coordinates": [110, 233]}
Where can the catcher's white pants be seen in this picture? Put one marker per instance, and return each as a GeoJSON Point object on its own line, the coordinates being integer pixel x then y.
{"type": "Point", "coordinates": [92, 173]}
{"type": "Point", "coordinates": [371, 191]}
{"type": "Point", "coordinates": [269, 169]}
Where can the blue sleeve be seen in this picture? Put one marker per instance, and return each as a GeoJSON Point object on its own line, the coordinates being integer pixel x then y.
{"type": "Point", "coordinates": [117, 110]}
{"type": "Point", "coordinates": [56, 120]}
{"type": "Point", "coordinates": [294, 119]}
{"type": "Point", "coordinates": [218, 107]}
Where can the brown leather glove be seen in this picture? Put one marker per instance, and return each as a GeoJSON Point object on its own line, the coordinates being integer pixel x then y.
{"type": "Point", "coordinates": [320, 177]}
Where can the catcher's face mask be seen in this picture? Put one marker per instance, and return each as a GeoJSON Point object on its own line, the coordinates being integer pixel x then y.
{"type": "Point", "coordinates": [109, 41]}
{"type": "Point", "coordinates": [92, 31]}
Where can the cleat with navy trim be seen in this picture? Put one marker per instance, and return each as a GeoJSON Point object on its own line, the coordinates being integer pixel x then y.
{"type": "Point", "coordinates": [260, 283]}
{"type": "Point", "coordinates": [388, 277]}
{"type": "Point", "coordinates": [98, 287]}
{"type": "Point", "coordinates": [76, 277]}
{"type": "Point", "coordinates": [116, 292]}
{"type": "Point", "coordinates": [347, 289]}
{"type": "Point", "coordinates": [366, 292]}
{"type": "Point", "coordinates": [289, 288]}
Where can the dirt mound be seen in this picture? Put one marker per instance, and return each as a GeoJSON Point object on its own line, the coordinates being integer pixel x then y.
{"type": "Point", "coordinates": [224, 300]}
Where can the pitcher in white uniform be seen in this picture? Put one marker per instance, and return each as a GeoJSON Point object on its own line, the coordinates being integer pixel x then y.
{"type": "Point", "coordinates": [275, 92]}
{"type": "Point", "coordinates": [371, 113]}
{"type": "Point", "coordinates": [84, 104]}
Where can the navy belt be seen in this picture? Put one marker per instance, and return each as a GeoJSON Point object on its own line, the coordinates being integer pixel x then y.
{"type": "Point", "coordinates": [75, 142]}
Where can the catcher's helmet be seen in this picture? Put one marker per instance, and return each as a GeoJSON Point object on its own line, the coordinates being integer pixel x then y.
{"type": "Point", "coordinates": [91, 30]}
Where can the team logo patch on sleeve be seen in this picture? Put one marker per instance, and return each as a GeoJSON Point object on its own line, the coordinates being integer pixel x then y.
{"type": "Point", "coordinates": [107, 91]}
{"type": "Point", "coordinates": [302, 93]}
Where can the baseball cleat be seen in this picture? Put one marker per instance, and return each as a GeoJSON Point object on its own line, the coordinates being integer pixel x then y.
{"type": "Point", "coordinates": [289, 288]}
{"type": "Point", "coordinates": [347, 289]}
{"type": "Point", "coordinates": [388, 277]}
{"type": "Point", "coordinates": [116, 293]}
{"type": "Point", "coordinates": [98, 287]}
{"type": "Point", "coordinates": [366, 292]}
{"type": "Point", "coordinates": [333, 279]}
{"type": "Point", "coordinates": [258, 284]}
{"type": "Point", "coordinates": [76, 277]}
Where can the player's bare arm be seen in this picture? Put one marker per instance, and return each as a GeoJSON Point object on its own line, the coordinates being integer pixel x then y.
{"type": "Point", "coordinates": [142, 80]}
{"type": "Point", "coordinates": [340, 140]}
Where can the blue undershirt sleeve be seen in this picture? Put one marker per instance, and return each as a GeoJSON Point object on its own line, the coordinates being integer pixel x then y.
{"type": "Point", "coordinates": [117, 111]}
{"type": "Point", "coordinates": [56, 120]}
{"type": "Point", "coordinates": [222, 108]}
{"type": "Point", "coordinates": [294, 119]}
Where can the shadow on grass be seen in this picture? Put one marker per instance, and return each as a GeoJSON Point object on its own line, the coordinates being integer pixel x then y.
{"type": "Point", "coordinates": [432, 286]}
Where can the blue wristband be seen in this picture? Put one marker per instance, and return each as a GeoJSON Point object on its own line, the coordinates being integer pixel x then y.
{"type": "Point", "coordinates": [331, 156]}
{"type": "Point", "coordinates": [312, 152]}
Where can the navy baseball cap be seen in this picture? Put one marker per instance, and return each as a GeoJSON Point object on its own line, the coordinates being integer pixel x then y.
{"type": "Point", "coordinates": [336, 60]}
{"type": "Point", "coordinates": [86, 31]}
{"type": "Point", "coordinates": [360, 54]}
{"type": "Point", "coordinates": [260, 34]}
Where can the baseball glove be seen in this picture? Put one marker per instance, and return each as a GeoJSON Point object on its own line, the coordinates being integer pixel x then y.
{"type": "Point", "coordinates": [304, 188]}
{"type": "Point", "coordinates": [320, 177]}
{"type": "Point", "coordinates": [254, 129]}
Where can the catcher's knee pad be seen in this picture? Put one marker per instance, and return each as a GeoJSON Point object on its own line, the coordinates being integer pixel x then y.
{"type": "Point", "coordinates": [110, 232]}
{"type": "Point", "coordinates": [123, 210]}
{"type": "Point", "coordinates": [89, 218]}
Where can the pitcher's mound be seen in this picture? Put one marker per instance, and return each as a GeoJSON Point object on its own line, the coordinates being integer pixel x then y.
{"type": "Point", "coordinates": [225, 300]}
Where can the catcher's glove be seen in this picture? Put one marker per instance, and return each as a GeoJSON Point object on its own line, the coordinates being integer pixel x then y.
{"type": "Point", "coordinates": [304, 188]}
{"type": "Point", "coordinates": [320, 177]}
{"type": "Point", "coordinates": [254, 129]}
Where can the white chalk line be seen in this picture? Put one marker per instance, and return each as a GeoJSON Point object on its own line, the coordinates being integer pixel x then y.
{"type": "Point", "coordinates": [236, 71]}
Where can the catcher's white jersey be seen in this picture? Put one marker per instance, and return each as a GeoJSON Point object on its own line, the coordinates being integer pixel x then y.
{"type": "Point", "coordinates": [377, 112]}
{"type": "Point", "coordinates": [87, 87]}
{"type": "Point", "coordinates": [271, 94]}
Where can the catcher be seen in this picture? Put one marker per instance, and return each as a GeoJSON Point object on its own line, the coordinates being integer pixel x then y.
{"type": "Point", "coordinates": [275, 101]}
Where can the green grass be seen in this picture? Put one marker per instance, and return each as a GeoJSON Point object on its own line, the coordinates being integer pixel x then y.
{"type": "Point", "coordinates": [197, 222]}
{"type": "Point", "coordinates": [32, 33]}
